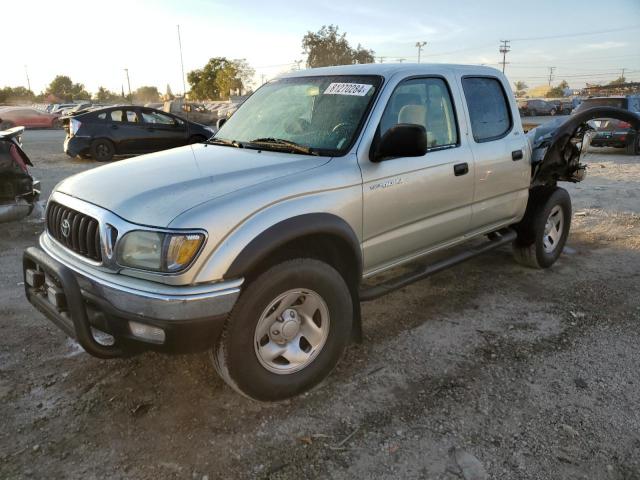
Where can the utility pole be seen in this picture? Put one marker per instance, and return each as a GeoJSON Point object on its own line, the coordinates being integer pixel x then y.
{"type": "Point", "coordinates": [621, 76]}
{"type": "Point", "coordinates": [419, 46]}
{"type": "Point", "coordinates": [297, 62]}
{"type": "Point", "coordinates": [128, 83]}
{"type": "Point", "coordinates": [262, 77]}
{"type": "Point", "coordinates": [400, 60]}
{"type": "Point", "coordinates": [184, 86]}
{"type": "Point", "coordinates": [29, 81]}
{"type": "Point", "coordinates": [504, 49]}
{"type": "Point", "coordinates": [381, 59]}
{"type": "Point", "coordinates": [551, 70]}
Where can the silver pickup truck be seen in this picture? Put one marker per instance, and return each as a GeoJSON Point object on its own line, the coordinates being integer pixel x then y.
{"type": "Point", "coordinates": [255, 245]}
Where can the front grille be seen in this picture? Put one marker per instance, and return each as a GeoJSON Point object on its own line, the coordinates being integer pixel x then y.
{"type": "Point", "coordinates": [74, 230]}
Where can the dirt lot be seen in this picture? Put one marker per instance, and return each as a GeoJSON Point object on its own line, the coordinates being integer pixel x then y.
{"type": "Point", "coordinates": [488, 369]}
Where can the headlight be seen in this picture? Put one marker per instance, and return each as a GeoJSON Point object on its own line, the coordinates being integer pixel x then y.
{"type": "Point", "coordinates": [157, 251]}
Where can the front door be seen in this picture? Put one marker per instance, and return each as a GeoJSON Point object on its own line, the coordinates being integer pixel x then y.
{"type": "Point", "coordinates": [164, 131]}
{"type": "Point", "coordinates": [413, 204]}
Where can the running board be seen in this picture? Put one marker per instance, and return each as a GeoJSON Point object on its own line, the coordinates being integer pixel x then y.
{"type": "Point", "coordinates": [496, 239]}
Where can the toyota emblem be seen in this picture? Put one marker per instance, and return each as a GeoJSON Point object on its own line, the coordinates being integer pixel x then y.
{"type": "Point", "coordinates": [65, 228]}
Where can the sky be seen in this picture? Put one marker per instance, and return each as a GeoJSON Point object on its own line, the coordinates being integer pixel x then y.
{"type": "Point", "coordinates": [93, 41]}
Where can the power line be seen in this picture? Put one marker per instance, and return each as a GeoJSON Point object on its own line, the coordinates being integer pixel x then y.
{"type": "Point", "coordinates": [581, 34]}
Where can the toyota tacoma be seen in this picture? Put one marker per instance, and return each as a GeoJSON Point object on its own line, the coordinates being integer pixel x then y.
{"type": "Point", "coordinates": [256, 243]}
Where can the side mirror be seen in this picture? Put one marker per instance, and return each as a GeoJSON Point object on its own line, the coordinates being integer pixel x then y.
{"type": "Point", "coordinates": [401, 140]}
{"type": "Point", "coordinates": [221, 122]}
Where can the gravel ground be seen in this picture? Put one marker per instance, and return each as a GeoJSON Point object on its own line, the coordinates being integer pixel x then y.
{"type": "Point", "coordinates": [487, 370]}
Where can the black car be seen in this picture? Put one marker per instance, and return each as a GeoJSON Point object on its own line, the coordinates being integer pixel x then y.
{"type": "Point", "coordinates": [127, 129]}
{"type": "Point", "coordinates": [536, 107]}
{"type": "Point", "coordinates": [611, 132]}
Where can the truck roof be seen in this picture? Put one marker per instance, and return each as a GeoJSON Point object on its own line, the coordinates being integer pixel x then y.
{"type": "Point", "coordinates": [390, 69]}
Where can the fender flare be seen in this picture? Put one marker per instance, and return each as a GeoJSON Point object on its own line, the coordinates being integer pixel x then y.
{"type": "Point", "coordinates": [288, 230]}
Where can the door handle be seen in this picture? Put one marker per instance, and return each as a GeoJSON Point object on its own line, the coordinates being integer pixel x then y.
{"type": "Point", "coordinates": [517, 155]}
{"type": "Point", "coordinates": [460, 169]}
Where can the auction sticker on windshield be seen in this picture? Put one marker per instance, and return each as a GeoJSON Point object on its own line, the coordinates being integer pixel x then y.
{"type": "Point", "coordinates": [358, 89]}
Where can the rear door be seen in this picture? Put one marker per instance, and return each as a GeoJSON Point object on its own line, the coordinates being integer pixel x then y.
{"type": "Point", "coordinates": [126, 130]}
{"type": "Point", "coordinates": [502, 170]}
{"type": "Point", "coordinates": [164, 131]}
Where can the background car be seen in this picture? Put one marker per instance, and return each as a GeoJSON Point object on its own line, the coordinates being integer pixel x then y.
{"type": "Point", "coordinates": [27, 117]}
{"type": "Point", "coordinates": [128, 129]}
{"type": "Point", "coordinates": [536, 107]}
{"type": "Point", "coordinates": [610, 132]}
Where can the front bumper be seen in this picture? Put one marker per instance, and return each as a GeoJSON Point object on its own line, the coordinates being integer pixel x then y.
{"type": "Point", "coordinates": [77, 303]}
{"type": "Point", "coordinates": [74, 146]}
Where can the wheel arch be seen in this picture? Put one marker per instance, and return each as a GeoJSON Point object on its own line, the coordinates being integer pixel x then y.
{"type": "Point", "coordinates": [322, 236]}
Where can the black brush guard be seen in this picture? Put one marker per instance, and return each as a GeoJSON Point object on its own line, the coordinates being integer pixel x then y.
{"type": "Point", "coordinates": [72, 319]}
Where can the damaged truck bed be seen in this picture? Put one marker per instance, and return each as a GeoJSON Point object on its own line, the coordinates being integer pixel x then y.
{"type": "Point", "coordinates": [559, 145]}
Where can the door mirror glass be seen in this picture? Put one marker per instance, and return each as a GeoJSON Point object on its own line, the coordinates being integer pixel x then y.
{"type": "Point", "coordinates": [401, 140]}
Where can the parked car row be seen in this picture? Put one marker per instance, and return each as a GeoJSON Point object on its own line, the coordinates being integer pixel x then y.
{"type": "Point", "coordinates": [611, 132]}
{"type": "Point", "coordinates": [536, 107]}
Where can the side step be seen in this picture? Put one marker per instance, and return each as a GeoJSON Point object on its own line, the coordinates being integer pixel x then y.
{"type": "Point", "coordinates": [496, 239]}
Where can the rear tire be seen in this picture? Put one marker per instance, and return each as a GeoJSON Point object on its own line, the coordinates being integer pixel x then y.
{"type": "Point", "coordinates": [287, 331]}
{"type": "Point", "coordinates": [543, 231]}
{"type": "Point", "coordinates": [102, 150]}
{"type": "Point", "coordinates": [633, 148]}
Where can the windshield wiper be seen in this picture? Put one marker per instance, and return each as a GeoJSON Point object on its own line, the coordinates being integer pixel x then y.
{"type": "Point", "coordinates": [296, 147]}
{"type": "Point", "coordinates": [222, 141]}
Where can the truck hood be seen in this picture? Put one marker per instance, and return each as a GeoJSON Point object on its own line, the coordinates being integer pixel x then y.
{"type": "Point", "coordinates": [153, 189]}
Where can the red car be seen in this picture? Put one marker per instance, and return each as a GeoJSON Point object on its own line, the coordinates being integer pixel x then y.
{"type": "Point", "coordinates": [27, 117]}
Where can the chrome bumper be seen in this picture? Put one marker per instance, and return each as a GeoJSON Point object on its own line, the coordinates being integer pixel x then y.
{"type": "Point", "coordinates": [149, 299]}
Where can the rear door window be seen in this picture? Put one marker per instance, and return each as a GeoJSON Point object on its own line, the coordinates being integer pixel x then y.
{"type": "Point", "coordinates": [488, 108]}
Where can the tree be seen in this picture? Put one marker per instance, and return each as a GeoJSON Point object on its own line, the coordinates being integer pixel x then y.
{"type": "Point", "coordinates": [16, 95]}
{"type": "Point", "coordinates": [327, 47]}
{"type": "Point", "coordinates": [146, 94]}
{"type": "Point", "coordinates": [618, 81]}
{"type": "Point", "coordinates": [558, 91]}
{"type": "Point", "coordinates": [520, 87]}
{"type": "Point", "coordinates": [218, 78]}
{"type": "Point", "coordinates": [104, 95]}
{"type": "Point", "coordinates": [63, 88]}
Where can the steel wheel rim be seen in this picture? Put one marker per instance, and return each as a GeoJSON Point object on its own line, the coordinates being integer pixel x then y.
{"type": "Point", "coordinates": [292, 331]}
{"type": "Point", "coordinates": [553, 229]}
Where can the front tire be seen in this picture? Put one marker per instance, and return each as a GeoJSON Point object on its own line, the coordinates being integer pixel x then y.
{"type": "Point", "coordinates": [633, 147]}
{"type": "Point", "coordinates": [287, 331]}
{"type": "Point", "coordinates": [543, 231]}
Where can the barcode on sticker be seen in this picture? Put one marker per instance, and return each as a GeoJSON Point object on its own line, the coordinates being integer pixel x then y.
{"type": "Point", "coordinates": [357, 89]}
